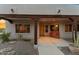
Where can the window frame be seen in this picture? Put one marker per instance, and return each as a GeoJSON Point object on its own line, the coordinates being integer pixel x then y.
{"type": "Point", "coordinates": [68, 27]}
{"type": "Point", "coordinates": [17, 28]}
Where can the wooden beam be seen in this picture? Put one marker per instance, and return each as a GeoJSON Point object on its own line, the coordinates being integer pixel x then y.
{"type": "Point", "coordinates": [72, 20]}
{"type": "Point", "coordinates": [32, 15]}
{"type": "Point", "coordinates": [9, 20]}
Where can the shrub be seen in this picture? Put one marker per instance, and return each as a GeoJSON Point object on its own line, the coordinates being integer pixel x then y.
{"type": "Point", "coordinates": [5, 37]}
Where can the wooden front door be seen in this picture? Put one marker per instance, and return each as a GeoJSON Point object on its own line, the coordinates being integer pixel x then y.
{"type": "Point", "coordinates": [54, 31]}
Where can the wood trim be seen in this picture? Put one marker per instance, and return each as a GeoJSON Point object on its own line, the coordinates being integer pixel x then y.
{"type": "Point", "coordinates": [32, 16]}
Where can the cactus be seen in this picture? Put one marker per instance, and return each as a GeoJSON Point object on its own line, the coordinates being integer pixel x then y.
{"type": "Point", "coordinates": [76, 42]}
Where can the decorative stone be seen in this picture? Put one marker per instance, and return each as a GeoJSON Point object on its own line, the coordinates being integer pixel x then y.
{"type": "Point", "coordinates": [74, 49]}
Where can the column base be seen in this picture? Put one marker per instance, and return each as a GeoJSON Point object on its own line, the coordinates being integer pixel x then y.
{"type": "Point", "coordinates": [36, 46]}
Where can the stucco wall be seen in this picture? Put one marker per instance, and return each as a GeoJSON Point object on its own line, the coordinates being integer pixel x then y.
{"type": "Point", "coordinates": [64, 34]}
{"type": "Point", "coordinates": [11, 28]}
{"type": "Point", "coordinates": [50, 9]}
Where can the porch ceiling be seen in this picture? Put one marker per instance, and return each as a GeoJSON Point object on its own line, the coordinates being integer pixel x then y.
{"type": "Point", "coordinates": [24, 17]}
{"type": "Point", "coordinates": [53, 20]}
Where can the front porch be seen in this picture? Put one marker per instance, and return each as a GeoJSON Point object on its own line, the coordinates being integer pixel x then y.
{"type": "Point", "coordinates": [31, 23]}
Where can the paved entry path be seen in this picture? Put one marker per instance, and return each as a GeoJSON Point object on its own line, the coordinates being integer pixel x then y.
{"type": "Point", "coordinates": [49, 46]}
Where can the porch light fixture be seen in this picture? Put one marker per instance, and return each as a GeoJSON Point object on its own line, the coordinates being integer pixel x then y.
{"type": "Point", "coordinates": [59, 11]}
{"type": "Point", "coordinates": [12, 10]}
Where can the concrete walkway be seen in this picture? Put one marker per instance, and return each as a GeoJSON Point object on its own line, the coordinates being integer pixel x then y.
{"type": "Point", "coordinates": [48, 46]}
{"type": "Point", "coordinates": [49, 50]}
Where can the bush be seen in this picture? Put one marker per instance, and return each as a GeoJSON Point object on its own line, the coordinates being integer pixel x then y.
{"type": "Point", "coordinates": [5, 37]}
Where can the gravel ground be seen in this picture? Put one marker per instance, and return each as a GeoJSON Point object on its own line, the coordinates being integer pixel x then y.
{"type": "Point", "coordinates": [18, 48]}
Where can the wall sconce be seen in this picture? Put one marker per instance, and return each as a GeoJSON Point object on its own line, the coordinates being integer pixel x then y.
{"type": "Point", "coordinates": [12, 10]}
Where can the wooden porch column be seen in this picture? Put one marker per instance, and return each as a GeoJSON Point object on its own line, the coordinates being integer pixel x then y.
{"type": "Point", "coordinates": [35, 31]}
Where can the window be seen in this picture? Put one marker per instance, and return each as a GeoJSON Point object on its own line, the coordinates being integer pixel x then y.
{"type": "Point", "coordinates": [68, 27]}
{"type": "Point", "coordinates": [22, 28]}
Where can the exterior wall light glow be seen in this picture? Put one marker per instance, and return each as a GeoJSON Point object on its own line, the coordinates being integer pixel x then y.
{"type": "Point", "coordinates": [2, 24]}
{"type": "Point", "coordinates": [56, 25]}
